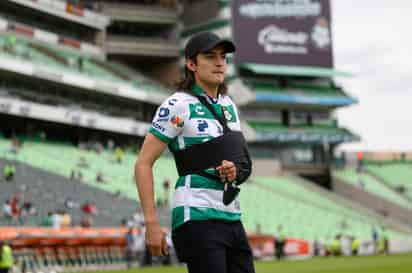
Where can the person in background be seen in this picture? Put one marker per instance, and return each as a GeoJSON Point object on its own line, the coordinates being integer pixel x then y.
{"type": "Point", "coordinates": [48, 220]}
{"type": "Point", "coordinates": [336, 246]}
{"type": "Point", "coordinates": [9, 171]}
{"type": "Point", "coordinates": [6, 257]}
{"type": "Point", "coordinates": [355, 246]}
{"type": "Point", "coordinates": [130, 243]}
{"type": "Point", "coordinates": [7, 213]}
{"type": "Point", "coordinates": [280, 240]}
{"type": "Point", "coordinates": [118, 155]}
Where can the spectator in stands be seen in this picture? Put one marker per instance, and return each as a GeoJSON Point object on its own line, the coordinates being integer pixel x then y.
{"type": "Point", "coordinates": [27, 210]}
{"type": "Point", "coordinates": [100, 178]}
{"type": "Point", "coordinates": [86, 221]}
{"type": "Point", "coordinates": [48, 220]}
{"type": "Point", "coordinates": [56, 219]}
{"type": "Point", "coordinates": [69, 203]}
{"type": "Point", "coordinates": [110, 145]}
{"type": "Point", "coordinates": [166, 189]}
{"type": "Point", "coordinates": [359, 157]}
{"type": "Point", "coordinates": [7, 213]}
{"type": "Point", "coordinates": [118, 155]}
{"type": "Point", "coordinates": [279, 243]}
{"type": "Point", "coordinates": [130, 252]}
{"type": "Point", "coordinates": [80, 63]}
{"type": "Point", "coordinates": [15, 208]}
{"type": "Point", "coordinates": [82, 163]}
{"type": "Point", "coordinates": [9, 171]}
{"type": "Point", "coordinates": [15, 145]}
{"type": "Point", "coordinates": [80, 176]}
{"type": "Point", "coordinates": [10, 45]}
{"type": "Point", "coordinates": [6, 257]}
{"type": "Point", "coordinates": [66, 219]}
{"type": "Point", "coordinates": [72, 174]}
{"type": "Point", "coordinates": [89, 208]}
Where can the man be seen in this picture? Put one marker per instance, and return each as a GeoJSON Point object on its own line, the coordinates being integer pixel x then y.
{"type": "Point", "coordinates": [280, 240]}
{"type": "Point", "coordinates": [206, 229]}
{"type": "Point", "coordinates": [6, 257]}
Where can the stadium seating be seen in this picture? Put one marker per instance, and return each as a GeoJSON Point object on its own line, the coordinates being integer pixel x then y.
{"type": "Point", "coordinates": [394, 174]}
{"type": "Point", "coordinates": [72, 62]}
{"type": "Point", "coordinates": [371, 185]}
{"type": "Point", "coordinates": [304, 214]}
{"type": "Point", "coordinates": [62, 159]}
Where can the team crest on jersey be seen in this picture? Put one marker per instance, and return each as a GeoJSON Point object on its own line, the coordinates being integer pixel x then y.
{"type": "Point", "coordinates": [177, 121]}
{"type": "Point", "coordinates": [227, 114]}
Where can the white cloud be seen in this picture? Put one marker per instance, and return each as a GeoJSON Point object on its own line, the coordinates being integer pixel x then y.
{"type": "Point", "coordinates": [372, 40]}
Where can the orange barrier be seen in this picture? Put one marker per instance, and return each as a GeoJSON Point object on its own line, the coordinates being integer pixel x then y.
{"type": "Point", "coordinates": [44, 238]}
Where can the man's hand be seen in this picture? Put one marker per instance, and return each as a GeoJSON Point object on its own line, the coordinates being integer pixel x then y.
{"type": "Point", "coordinates": [156, 239]}
{"type": "Point", "coordinates": [227, 171]}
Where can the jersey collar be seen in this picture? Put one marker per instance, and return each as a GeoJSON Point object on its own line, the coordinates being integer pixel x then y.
{"type": "Point", "coordinates": [199, 91]}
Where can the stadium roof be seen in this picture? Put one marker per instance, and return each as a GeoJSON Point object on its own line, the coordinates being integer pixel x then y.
{"type": "Point", "coordinates": [293, 70]}
{"type": "Point", "coordinates": [312, 135]}
{"type": "Point", "coordinates": [299, 94]}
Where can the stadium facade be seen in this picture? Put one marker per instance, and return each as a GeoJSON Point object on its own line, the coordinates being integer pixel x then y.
{"type": "Point", "coordinates": [102, 67]}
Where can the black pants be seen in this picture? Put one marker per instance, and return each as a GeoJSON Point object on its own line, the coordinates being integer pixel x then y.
{"type": "Point", "coordinates": [213, 246]}
{"type": "Point", "coordinates": [279, 249]}
{"type": "Point", "coordinates": [4, 270]}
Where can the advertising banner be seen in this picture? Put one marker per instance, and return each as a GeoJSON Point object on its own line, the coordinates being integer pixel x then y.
{"type": "Point", "coordinates": [283, 32]}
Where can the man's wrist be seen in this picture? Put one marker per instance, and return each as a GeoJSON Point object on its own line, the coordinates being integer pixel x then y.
{"type": "Point", "coordinates": [151, 221]}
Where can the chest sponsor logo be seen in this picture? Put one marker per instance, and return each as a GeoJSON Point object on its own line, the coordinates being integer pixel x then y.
{"type": "Point", "coordinates": [202, 125]}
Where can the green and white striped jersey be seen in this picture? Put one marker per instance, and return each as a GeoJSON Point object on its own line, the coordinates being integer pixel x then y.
{"type": "Point", "coordinates": [182, 121]}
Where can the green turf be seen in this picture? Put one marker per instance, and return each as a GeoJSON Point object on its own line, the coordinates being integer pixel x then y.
{"type": "Point", "coordinates": [372, 264]}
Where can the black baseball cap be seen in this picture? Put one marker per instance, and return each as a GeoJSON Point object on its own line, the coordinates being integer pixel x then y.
{"type": "Point", "coordinates": [206, 41]}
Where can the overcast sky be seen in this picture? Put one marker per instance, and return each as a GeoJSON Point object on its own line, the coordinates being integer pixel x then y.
{"type": "Point", "coordinates": [373, 40]}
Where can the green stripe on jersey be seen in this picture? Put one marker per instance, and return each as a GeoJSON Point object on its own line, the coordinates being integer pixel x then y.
{"type": "Point", "coordinates": [208, 213]}
{"type": "Point", "coordinates": [159, 135]}
{"type": "Point", "coordinates": [198, 214]}
{"type": "Point", "coordinates": [178, 216]}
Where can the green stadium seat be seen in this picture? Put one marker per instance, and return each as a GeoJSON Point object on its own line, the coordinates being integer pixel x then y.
{"type": "Point", "coordinates": [371, 185]}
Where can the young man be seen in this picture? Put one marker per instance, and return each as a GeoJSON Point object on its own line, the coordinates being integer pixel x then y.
{"type": "Point", "coordinates": [200, 125]}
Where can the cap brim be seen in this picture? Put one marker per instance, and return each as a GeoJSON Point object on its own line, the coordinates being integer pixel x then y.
{"type": "Point", "coordinates": [227, 45]}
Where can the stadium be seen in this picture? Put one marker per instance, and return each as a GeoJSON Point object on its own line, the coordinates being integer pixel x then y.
{"type": "Point", "coordinates": [80, 82]}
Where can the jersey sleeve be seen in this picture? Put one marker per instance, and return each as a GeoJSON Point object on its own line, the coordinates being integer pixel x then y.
{"type": "Point", "coordinates": [169, 119]}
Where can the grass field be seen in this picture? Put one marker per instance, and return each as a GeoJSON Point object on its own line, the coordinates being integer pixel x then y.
{"type": "Point", "coordinates": [371, 264]}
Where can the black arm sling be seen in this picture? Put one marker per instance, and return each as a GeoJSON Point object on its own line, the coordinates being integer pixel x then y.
{"type": "Point", "coordinates": [229, 146]}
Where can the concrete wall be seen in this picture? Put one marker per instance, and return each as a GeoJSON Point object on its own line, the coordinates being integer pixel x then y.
{"type": "Point", "coordinates": [381, 206]}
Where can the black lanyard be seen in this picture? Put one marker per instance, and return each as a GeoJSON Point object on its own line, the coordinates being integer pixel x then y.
{"type": "Point", "coordinates": [222, 119]}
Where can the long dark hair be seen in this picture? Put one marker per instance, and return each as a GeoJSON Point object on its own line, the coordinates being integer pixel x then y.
{"type": "Point", "coordinates": [186, 84]}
